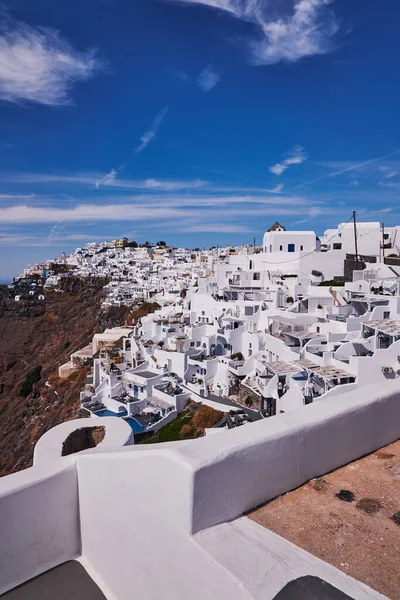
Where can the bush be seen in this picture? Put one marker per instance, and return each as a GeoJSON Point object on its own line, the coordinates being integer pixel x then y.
{"type": "Point", "coordinates": [186, 430]}
{"type": "Point", "coordinates": [237, 356]}
{"type": "Point", "coordinates": [67, 345]}
{"type": "Point", "coordinates": [249, 401]}
{"type": "Point", "coordinates": [289, 300]}
{"type": "Point", "coordinates": [30, 380]}
{"type": "Point", "coordinates": [206, 417]}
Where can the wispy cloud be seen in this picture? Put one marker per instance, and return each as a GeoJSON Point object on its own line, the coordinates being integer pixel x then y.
{"type": "Point", "coordinates": [16, 196]}
{"type": "Point", "coordinates": [28, 240]}
{"type": "Point", "coordinates": [207, 79]}
{"type": "Point", "coordinates": [390, 184]}
{"type": "Point", "coordinates": [156, 184]}
{"type": "Point", "coordinates": [215, 227]}
{"type": "Point", "coordinates": [151, 133]}
{"type": "Point", "coordinates": [145, 140]}
{"type": "Point", "coordinates": [388, 172]}
{"type": "Point", "coordinates": [306, 30]}
{"type": "Point", "coordinates": [296, 157]}
{"type": "Point", "coordinates": [149, 208]}
{"type": "Point", "coordinates": [107, 179]}
{"type": "Point", "coordinates": [38, 65]}
{"type": "Point", "coordinates": [355, 167]}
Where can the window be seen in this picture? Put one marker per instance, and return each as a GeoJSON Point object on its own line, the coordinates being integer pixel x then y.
{"type": "Point", "coordinates": [291, 248]}
{"type": "Point", "coordinates": [301, 248]}
{"type": "Point", "coordinates": [386, 314]}
{"type": "Point", "coordinates": [337, 246]}
{"type": "Point", "coordinates": [256, 276]}
{"type": "Point", "coordinates": [281, 248]}
{"type": "Point", "coordinates": [192, 344]}
{"type": "Point", "coordinates": [385, 236]}
{"type": "Point", "coordinates": [270, 248]}
{"type": "Point", "coordinates": [251, 265]}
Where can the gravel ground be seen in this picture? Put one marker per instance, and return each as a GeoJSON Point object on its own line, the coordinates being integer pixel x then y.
{"type": "Point", "coordinates": [359, 536]}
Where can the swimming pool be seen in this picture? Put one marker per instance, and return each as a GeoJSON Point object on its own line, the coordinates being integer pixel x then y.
{"type": "Point", "coordinates": [110, 413]}
{"type": "Point", "coordinates": [135, 425]}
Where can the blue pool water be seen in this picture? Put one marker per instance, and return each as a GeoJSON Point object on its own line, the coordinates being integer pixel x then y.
{"type": "Point", "coordinates": [109, 413]}
{"type": "Point", "coordinates": [135, 425]}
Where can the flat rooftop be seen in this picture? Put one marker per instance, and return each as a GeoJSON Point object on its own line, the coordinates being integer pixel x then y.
{"type": "Point", "coordinates": [389, 326]}
{"type": "Point", "coordinates": [145, 374]}
{"type": "Point", "coordinates": [331, 372]}
{"type": "Point", "coordinates": [281, 366]}
{"type": "Point", "coordinates": [358, 536]}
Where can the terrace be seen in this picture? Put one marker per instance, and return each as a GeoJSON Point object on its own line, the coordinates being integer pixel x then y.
{"type": "Point", "coordinates": [358, 536]}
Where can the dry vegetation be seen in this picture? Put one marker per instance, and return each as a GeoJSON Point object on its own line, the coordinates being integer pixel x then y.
{"type": "Point", "coordinates": [189, 424]}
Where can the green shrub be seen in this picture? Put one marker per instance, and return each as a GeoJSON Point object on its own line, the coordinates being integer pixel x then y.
{"type": "Point", "coordinates": [32, 377]}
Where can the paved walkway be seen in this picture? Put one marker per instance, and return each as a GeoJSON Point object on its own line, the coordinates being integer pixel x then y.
{"type": "Point", "coordinates": [68, 581]}
{"type": "Point", "coordinates": [252, 414]}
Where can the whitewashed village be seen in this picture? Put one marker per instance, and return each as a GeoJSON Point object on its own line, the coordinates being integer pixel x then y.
{"type": "Point", "coordinates": [253, 331]}
{"type": "Point", "coordinates": [295, 341]}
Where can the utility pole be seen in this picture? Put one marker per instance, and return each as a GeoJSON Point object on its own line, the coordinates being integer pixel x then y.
{"type": "Point", "coordinates": [355, 237]}
{"type": "Point", "coordinates": [254, 243]}
{"type": "Point", "coordinates": [383, 242]}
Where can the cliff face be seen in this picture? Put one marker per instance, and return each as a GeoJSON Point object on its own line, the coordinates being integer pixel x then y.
{"type": "Point", "coordinates": [35, 339]}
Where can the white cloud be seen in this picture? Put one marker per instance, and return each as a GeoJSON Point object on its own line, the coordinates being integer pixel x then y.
{"type": "Point", "coordinates": [38, 65]}
{"type": "Point", "coordinates": [156, 184]}
{"type": "Point", "coordinates": [391, 174]}
{"type": "Point", "coordinates": [207, 79]}
{"type": "Point", "coordinates": [145, 140]}
{"type": "Point", "coordinates": [306, 30]}
{"type": "Point", "coordinates": [351, 168]}
{"type": "Point", "coordinates": [278, 169]}
{"type": "Point", "coordinates": [152, 132]}
{"type": "Point", "coordinates": [107, 179]}
{"type": "Point", "coordinates": [16, 196]}
{"type": "Point", "coordinates": [389, 184]}
{"type": "Point", "coordinates": [277, 189]}
{"type": "Point", "coordinates": [85, 212]}
{"type": "Point", "coordinates": [296, 157]}
{"type": "Point", "coordinates": [151, 208]}
{"type": "Point", "coordinates": [354, 182]}
{"type": "Point", "coordinates": [24, 240]}
{"type": "Point", "coordinates": [215, 227]}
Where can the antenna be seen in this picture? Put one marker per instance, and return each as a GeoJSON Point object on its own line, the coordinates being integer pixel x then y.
{"type": "Point", "coordinates": [355, 237]}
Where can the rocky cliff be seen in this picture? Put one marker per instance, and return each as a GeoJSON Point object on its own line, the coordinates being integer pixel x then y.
{"type": "Point", "coordinates": [35, 339]}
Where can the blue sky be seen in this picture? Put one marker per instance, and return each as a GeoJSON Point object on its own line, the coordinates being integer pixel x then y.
{"type": "Point", "coordinates": [195, 122]}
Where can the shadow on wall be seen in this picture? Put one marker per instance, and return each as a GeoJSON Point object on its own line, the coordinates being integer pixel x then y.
{"type": "Point", "coordinates": [83, 439]}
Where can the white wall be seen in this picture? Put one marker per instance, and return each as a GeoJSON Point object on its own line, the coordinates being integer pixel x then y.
{"type": "Point", "coordinates": [39, 521]}
{"type": "Point", "coordinates": [177, 360]}
{"type": "Point", "coordinates": [251, 465]}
